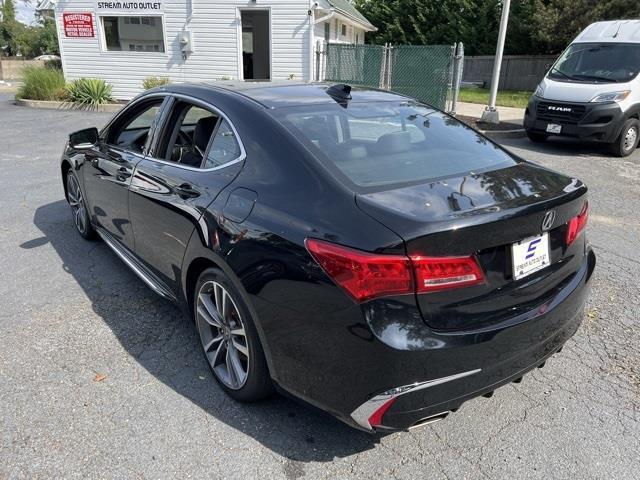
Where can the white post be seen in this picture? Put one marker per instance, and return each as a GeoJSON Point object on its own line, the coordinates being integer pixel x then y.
{"type": "Point", "coordinates": [490, 113]}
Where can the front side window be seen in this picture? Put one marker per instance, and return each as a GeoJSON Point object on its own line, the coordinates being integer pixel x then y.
{"type": "Point", "coordinates": [197, 137]}
{"type": "Point", "coordinates": [390, 143]}
{"type": "Point", "coordinates": [133, 33]}
{"type": "Point", "coordinates": [598, 63]}
{"type": "Point", "coordinates": [131, 130]}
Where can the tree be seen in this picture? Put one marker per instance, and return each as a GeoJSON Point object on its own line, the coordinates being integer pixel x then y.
{"type": "Point", "coordinates": [535, 26]}
{"type": "Point", "coordinates": [419, 22]}
{"type": "Point", "coordinates": [555, 23]}
{"type": "Point", "coordinates": [10, 29]}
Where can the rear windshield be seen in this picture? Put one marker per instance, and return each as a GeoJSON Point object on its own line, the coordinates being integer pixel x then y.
{"type": "Point", "coordinates": [389, 143]}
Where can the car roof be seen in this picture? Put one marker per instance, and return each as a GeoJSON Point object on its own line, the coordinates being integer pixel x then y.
{"type": "Point", "coordinates": [614, 31]}
{"type": "Point", "coordinates": [289, 94]}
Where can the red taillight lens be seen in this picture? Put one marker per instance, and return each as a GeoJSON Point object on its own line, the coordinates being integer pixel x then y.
{"type": "Point", "coordinates": [434, 273]}
{"type": "Point", "coordinates": [363, 275]}
{"type": "Point", "coordinates": [577, 224]}
{"type": "Point", "coordinates": [366, 275]}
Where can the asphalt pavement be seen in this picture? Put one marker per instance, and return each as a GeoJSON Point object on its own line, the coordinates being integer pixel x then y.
{"type": "Point", "coordinates": [100, 378]}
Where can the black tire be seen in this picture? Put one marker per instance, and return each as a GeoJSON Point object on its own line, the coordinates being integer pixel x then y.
{"type": "Point", "coordinates": [256, 384]}
{"type": "Point", "coordinates": [80, 215]}
{"type": "Point", "coordinates": [627, 141]}
{"type": "Point", "coordinates": [537, 137]}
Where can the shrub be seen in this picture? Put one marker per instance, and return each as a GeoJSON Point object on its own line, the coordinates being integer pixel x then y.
{"type": "Point", "coordinates": [88, 92]}
{"type": "Point", "coordinates": [153, 82]}
{"type": "Point", "coordinates": [54, 64]}
{"type": "Point", "coordinates": [41, 83]}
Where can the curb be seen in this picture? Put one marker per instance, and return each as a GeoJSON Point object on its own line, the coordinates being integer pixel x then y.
{"type": "Point", "coordinates": [498, 134]}
{"type": "Point", "coordinates": [53, 105]}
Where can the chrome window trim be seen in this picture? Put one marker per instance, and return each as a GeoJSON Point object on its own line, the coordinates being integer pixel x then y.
{"type": "Point", "coordinates": [207, 106]}
{"type": "Point", "coordinates": [195, 101]}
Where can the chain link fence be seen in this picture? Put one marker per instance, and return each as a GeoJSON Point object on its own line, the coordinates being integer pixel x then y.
{"type": "Point", "coordinates": [429, 73]}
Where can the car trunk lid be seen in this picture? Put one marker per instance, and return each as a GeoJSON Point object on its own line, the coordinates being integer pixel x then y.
{"type": "Point", "coordinates": [484, 214]}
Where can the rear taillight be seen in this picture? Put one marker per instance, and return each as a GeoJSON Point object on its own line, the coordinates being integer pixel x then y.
{"type": "Point", "coordinates": [576, 224]}
{"type": "Point", "coordinates": [366, 275]}
{"type": "Point", "coordinates": [363, 275]}
{"type": "Point", "coordinates": [434, 274]}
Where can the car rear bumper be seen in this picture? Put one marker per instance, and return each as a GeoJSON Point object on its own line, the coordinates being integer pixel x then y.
{"type": "Point", "coordinates": [469, 364]}
{"type": "Point", "coordinates": [598, 122]}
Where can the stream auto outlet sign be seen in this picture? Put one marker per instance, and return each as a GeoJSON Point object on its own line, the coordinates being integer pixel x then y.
{"type": "Point", "coordinates": [129, 5]}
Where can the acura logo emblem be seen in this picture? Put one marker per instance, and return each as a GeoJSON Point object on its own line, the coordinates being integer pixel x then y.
{"type": "Point", "coordinates": [548, 220]}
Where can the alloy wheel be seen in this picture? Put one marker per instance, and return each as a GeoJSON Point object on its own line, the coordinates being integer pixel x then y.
{"type": "Point", "coordinates": [223, 335]}
{"type": "Point", "coordinates": [76, 202]}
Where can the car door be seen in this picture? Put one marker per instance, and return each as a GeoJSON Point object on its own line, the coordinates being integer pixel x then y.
{"type": "Point", "coordinates": [109, 167]}
{"type": "Point", "coordinates": [195, 155]}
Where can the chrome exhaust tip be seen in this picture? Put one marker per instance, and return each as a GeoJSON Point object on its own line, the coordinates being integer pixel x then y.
{"type": "Point", "coordinates": [430, 420]}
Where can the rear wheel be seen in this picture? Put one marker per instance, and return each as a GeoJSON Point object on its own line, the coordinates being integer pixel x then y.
{"type": "Point", "coordinates": [627, 142]}
{"type": "Point", "coordinates": [537, 137]}
{"type": "Point", "coordinates": [229, 338]}
{"type": "Point", "coordinates": [76, 201]}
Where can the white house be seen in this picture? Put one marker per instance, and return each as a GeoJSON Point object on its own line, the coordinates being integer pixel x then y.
{"type": "Point", "coordinates": [124, 42]}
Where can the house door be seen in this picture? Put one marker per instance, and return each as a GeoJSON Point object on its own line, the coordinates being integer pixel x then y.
{"type": "Point", "coordinates": [256, 45]}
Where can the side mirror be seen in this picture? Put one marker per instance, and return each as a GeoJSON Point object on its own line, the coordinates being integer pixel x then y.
{"type": "Point", "coordinates": [84, 139]}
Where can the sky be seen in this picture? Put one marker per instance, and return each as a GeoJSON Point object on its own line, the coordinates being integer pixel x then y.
{"type": "Point", "coordinates": [24, 13]}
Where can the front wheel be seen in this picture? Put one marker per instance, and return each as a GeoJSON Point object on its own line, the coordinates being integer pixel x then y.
{"type": "Point", "coordinates": [627, 142]}
{"type": "Point", "coordinates": [229, 338]}
{"type": "Point", "coordinates": [79, 208]}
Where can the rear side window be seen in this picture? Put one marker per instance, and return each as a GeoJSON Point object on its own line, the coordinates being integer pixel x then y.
{"type": "Point", "coordinates": [386, 143]}
{"type": "Point", "coordinates": [225, 147]}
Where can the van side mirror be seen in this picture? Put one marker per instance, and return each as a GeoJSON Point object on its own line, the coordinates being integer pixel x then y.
{"type": "Point", "coordinates": [84, 139]}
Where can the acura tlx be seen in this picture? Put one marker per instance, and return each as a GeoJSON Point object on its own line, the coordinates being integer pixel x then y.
{"type": "Point", "coordinates": [354, 248]}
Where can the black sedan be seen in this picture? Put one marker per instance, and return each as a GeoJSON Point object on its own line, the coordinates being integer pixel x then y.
{"type": "Point", "coordinates": [356, 249]}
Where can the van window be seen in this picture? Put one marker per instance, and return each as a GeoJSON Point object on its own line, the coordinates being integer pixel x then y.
{"type": "Point", "coordinates": [598, 63]}
{"type": "Point", "coordinates": [387, 143]}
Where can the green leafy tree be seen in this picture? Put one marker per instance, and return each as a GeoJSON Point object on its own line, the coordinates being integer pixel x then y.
{"type": "Point", "coordinates": [535, 26]}
{"type": "Point", "coordinates": [10, 29]}
{"type": "Point", "coordinates": [420, 22]}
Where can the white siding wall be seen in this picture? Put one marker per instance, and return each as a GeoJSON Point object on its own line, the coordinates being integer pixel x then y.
{"type": "Point", "coordinates": [335, 32]}
{"type": "Point", "coordinates": [216, 44]}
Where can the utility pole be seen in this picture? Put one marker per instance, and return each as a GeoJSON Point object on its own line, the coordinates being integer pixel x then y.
{"type": "Point", "coordinates": [490, 114]}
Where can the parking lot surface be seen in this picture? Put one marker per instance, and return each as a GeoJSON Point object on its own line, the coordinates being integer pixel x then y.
{"type": "Point", "coordinates": [100, 378]}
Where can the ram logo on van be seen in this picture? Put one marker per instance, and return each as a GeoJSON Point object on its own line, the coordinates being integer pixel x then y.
{"type": "Point", "coordinates": [558, 109]}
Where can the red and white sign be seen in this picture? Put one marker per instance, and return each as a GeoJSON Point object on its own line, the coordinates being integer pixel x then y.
{"type": "Point", "coordinates": [78, 25]}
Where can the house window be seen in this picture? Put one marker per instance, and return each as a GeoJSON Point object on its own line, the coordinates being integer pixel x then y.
{"type": "Point", "coordinates": [344, 30]}
{"type": "Point", "coordinates": [133, 33]}
{"type": "Point", "coordinates": [327, 31]}
{"type": "Point", "coordinates": [357, 38]}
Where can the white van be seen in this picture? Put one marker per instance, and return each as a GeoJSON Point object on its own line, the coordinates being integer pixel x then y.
{"type": "Point", "coordinates": [592, 92]}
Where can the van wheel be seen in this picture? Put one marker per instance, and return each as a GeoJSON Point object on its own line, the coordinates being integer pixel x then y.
{"type": "Point", "coordinates": [627, 142]}
{"type": "Point", "coordinates": [229, 338]}
{"type": "Point", "coordinates": [537, 137]}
